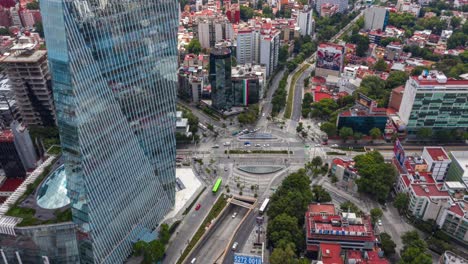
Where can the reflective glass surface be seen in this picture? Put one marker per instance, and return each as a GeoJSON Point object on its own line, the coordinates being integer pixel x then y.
{"type": "Point", "coordinates": [53, 192]}
{"type": "Point", "coordinates": [114, 68]}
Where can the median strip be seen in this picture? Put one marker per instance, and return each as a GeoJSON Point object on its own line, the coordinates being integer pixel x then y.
{"type": "Point", "coordinates": [288, 111]}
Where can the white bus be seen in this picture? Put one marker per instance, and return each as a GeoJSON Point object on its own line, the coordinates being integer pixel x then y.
{"type": "Point", "coordinates": [264, 205]}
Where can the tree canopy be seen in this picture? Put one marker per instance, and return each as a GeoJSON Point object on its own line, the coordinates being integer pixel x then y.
{"type": "Point", "coordinates": [246, 12]}
{"type": "Point", "coordinates": [376, 176]}
{"type": "Point", "coordinates": [320, 194]}
{"type": "Point", "coordinates": [345, 133]}
{"type": "Point", "coordinates": [374, 87]}
{"type": "Point", "coordinates": [388, 245]}
{"type": "Point", "coordinates": [194, 46]}
{"type": "Point", "coordinates": [329, 128]}
{"type": "Point", "coordinates": [286, 211]}
{"type": "Point", "coordinates": [395, 79]}
{"type": "Point", "coordinates": [324, 108]}
{"type": "Point", "coordinates": [380, 65]}
{"type": "Point", "coordinates": [401, 201]}
{"type": "Point", "coordinates": [362, 44]}
{"type": "Point", "coordinates": [250, 116]}
{"type": "Point", "coordinates": [414, 250]}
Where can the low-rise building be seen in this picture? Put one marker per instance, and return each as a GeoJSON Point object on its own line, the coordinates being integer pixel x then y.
{"type": "Point", "coordinates": [324, 225]}
{"type": "Point", "coordinates": [458, 170]}
{"type": "Point", "coordinates": [346, 172]}
{"type": "Point", "coordinates": [437, 161]}
{"type": "Point", "coordinates": [451, 258]}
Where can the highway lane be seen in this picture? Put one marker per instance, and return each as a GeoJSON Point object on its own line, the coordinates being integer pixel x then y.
{"type": "Point", "coordinates": [299, 91]}
{"type": "Point", "coordinates": [218, 238]}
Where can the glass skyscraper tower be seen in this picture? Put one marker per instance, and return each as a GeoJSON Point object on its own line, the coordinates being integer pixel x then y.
{"type": "Point", "coordinates": [113, 66]}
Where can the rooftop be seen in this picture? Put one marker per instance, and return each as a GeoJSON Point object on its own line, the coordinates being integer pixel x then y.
{"type": "Point", "coordinates": [10, 185]}
{"type": "Point", "coordinates": [365, 257]}
{"type": "Point", "coordinates": [437, 153]}
{"type": "Point", "coordinates": [331, 253]}
{"type": "Point", "coordinates": [6, 136]}
{"type": "Point", "coordinates": [322, 208]}
{"type": "Point", "coordinates": [27, 57]}
{"type": "Point", "coordinates": [428, 190]}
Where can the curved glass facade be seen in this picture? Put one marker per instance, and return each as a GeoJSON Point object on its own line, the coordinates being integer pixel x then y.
{"type": "Point", "coordinates": [114, 68]}
{"type": "Point", "coordinates": [53, 191]}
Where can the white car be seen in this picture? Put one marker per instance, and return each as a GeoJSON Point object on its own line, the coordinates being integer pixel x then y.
{"type": "Point", "coordinates": [317, 145]}
{"type": "Point", "coordinates": [258, 145]}
{"type": "Point", "coordinates": [334, 145]}
{"type": "Point", "coordinates": [266, 145]}
{"type": "Point", "coordinates": [226, 144]}
{"type": "Point", "coordinates": [379, 222]}
{"type": "Point", "coordinates": [216, 146]}
{"type": "Point", "coordinates": [234, 215]}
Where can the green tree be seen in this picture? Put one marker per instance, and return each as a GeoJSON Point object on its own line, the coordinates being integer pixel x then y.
{"type": "Point", "coordinates": [357, 136]}
{"type": "Point", "coordinates": [328, 128]}
{"type": "Point", "coordinates": [345, 133]}
{"type": "Point", "coordinates": [376, 214]}
{"type": "Point", "coordinates": [283, 228]}
{"type": "Point", "coordinates": [374, 87]}
{"type": "Point", "coordinates": [424, 133]}
{"type": "Point", "coordinates": [380, 65]}
{"type": "Point", "coordinates": [458, 39]}
{"type": "Point", "coordinates": [4, 32]}
{"type": "Point", "coordinates": [194, 46]}
{"type": "Point", "coordinates": [164, 234]}
{"type": "Point", "coordinates": [376, 176]}
{"type": "Point", "coordinates": [246, 12]}
{"type": "Point", "coordinates": [154, 252]}
{"type": "Point", "coordinates": [418, 70]}
{"type": "Point", "coordinates": [283, 54]}
{"type": "Point", "coordinates": [375, 133]}
{"type": "Point", "coordinates": [317, 161]}
{"type": "Point", "coordinates": [139, 248]}
{"type": "Point", "coordinates": [350, 207]}
{"type": "Point", "coordinates": [299, 127]}
{"type": "Point", "coordinates": [283, 255]}
{"type": "Point", "coordinates": [362, 44]}
{"type": "Point", "coordinates": [39, 29]}
{"type": "Point", "coordinates": [396, 78]}
{"type": "Point", "coordinates": [33, 5]}
{"type": "Point", "coordinates": [401, 202]}
{"type": "Point", "coordinates": [388, 246]}
{"type": "Point", "coordinates": [324, 108]}
{"type": "Point", "coordinates": [320, 194]}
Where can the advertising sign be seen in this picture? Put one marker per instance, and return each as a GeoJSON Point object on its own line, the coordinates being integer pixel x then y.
{"type": "Point", "coordinates": [329, 58]}
{"type": "Point", "coordinates": [399, 152]}
{"type": "Point", "coordinates": [366, 101]}
{"type": "Point", "coordinates": [246, 259]}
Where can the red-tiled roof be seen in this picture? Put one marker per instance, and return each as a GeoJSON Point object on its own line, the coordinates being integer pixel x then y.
{"type": "Point", "coordinates": [428, 190]}
{"type": "Point", "coordinates": [456, 209]}
{"type": "Point", "coordinates": [10, 185]}
{"type": "Point", "coordinates": [372, 257]}
{"type": "Point", "coordinates": [435, 82]}
{"type": "Point", "coordinates": [318, 96]}
{"type": "Point", "coordinates": [322, 208]}
{"type": "Point", "coordinates": [331, 253]}
{"type": "Point", "coordinates": [6, 136]}
{"type": "Point", "coordinates": [437, 153]}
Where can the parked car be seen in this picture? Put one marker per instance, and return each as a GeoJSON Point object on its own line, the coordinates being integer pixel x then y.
{"type": "Point", "coordinates": [258, 145]}
{"type": "Point", "coordinates": [234, 246]}
{"type": "Point", "coordinates": [197, 207]}
{"type": "Point", "coordinates": [216, 146]}
{"type": "Point", "coordinates": [234, 215]}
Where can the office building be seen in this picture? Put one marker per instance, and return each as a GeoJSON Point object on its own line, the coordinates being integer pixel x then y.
{"type": "Point", "coordinates": [248, 84]}
{"type": "Point", "coordinates": [269, 51]}
{"type": "Point", "coordinates": [342, 5]}
{"type": "Point", "coordinates": [259, 43]}
{"type": "Point", "coordinates": [114, 68]}
{"type": "Point", "coordinates": [305, 21]}
{"type": "Point", "coordinates": [30, 81]}
{"type": "Point", "coordinates": [212, 29]}
{"type": "Point", "coordinates": [438, 162]}
{"type": "Point", "coordinates": [433, 101]}
{"type": "Point", "coordinates": [248, 46]}
{"type": "Point", "coordinates": [17, 154]}
{"type": "Point", "coordinates": [324, 225]}
{"type": "Point", "coordinates": [458, 170]}
{"type": "Point", "coordinates": [220, 79]}
{"type": "Point", "coordinates": [376, 17]}
{"type": "Point", "coordinates": [329, 59]}
{"type": "Point", "coordinates": [393, 51]}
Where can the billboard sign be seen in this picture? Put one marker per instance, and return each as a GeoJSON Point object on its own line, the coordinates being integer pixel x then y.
{"type": "Point", "coordinates": [330, 58]}
{"type": "Point", "coordinates": [366, 101]}
{"type": "Point", "coordinates": [399, 152]}
{"type": "Point", "coordinates": [247, 259]}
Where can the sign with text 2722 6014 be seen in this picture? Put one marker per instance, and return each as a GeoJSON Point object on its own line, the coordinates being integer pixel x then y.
{"type": "Point", "coordinates": [244, 259]}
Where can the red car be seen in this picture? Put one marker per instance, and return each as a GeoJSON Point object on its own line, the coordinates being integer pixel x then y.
{"type": "Point", "coordinates": [197, 207]}
{"type": "Point", "coordinates": [324, 143]}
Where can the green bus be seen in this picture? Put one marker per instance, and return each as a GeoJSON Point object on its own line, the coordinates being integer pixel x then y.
{"type": "Point", "coordinates": [217, 185]}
